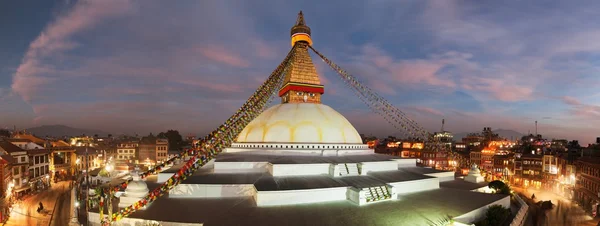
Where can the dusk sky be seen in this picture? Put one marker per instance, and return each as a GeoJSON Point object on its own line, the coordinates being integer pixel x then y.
{"type": "Point", "coordinates": [148, 66]}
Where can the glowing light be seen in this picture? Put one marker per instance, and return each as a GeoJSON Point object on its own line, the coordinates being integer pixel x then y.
{"type": "Point", "coordinates": [76, 204]}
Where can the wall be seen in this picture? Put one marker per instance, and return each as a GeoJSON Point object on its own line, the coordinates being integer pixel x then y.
{"type": "Point", "coordinates": [94, 219]}
{"type": "Point", "coordinates": [479, 214]}
{"type": "Point", "coordinates": [521, 216]}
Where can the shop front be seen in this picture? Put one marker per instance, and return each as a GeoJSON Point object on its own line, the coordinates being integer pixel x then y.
{"type": "Point", "coordinates": [40, 183]}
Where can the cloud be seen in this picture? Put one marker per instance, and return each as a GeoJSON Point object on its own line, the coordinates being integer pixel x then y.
{"type": "Point", "coordinates": [590, 112]}
{"type": "Point", "coordinates": [55, 40]}
{"type": "Point", "coordinates": [458, 60]}
{"type": "Point", "coordinates": [222, 55]}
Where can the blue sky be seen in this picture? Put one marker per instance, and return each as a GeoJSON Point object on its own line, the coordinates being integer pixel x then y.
{"type": "Point", "coordinates": [141, 66]}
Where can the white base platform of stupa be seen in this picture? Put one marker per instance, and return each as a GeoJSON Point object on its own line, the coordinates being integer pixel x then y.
{"type": "Point", "coordinates": [125, 201]}
{"type": "Point", "coordinates": [285, 182]}
{"type": "Point", "coordinates": [474, 179]}
{"type": "Point", "coordinates": [289, 180]}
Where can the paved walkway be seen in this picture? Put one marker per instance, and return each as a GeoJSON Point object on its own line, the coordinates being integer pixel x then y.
{"type": "Point", "coordinates": [564, 212]}
{"type": "Point", "coordinates": [25, 212]}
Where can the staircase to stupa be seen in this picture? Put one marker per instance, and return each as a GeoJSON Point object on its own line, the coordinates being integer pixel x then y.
{"type": "Point", "coordinates": [374, 194]}
{"type": "Point", "coordinates": [348, 169]}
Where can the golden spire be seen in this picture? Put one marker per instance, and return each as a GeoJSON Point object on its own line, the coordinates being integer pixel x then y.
{"type": "Point", "coordinates": [300, 31]}
{"type": "Point", "coordinates": [301, 82]}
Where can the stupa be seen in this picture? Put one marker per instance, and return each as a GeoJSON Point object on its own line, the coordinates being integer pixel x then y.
{"type": "Point", "coordinates": [474, 175]}
{"type": "Point", "coordinates": [136, 189]}
{"type": "Point", "coordinates": [301, 162]}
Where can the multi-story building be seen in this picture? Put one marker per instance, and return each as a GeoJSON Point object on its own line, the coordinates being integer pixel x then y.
{"type": "Point", "coordinates": [587, 185]}
{"type": "Point", "coordinates": [532, 170]}
{"type": "Point", "coordinates": [162, 148]}
{"type": "Point", "coordinates": [550, 166]}
{"type": "Point", "coordinates": [6, 184]}
{"type": "Point", "coordinates": [30, 137]}
{"type": "Point", "coordinates": [438, 160]}
{"type": "Point", "coordinates": [126, 151]}
{"type": "Point", "coordinates": [475, 157]}
{"type": "Point", "coordinates": [39, 169]}
{"type": "Point", "coordinates": [566, 174]}
{"type": "Point", "coordinates": [153, 150]}
{"type": "Point", "coordinates": [487, 160]}
{"type": "Point", "coordinates": [504, 167]}
{"type": "Point", "coordinates": [473, 139]}
{"type": "Point", "coordinates": [444, 137]}
{"type": "Point", "coordinates": [88, 158]}
{"type": "Point", "coordinates": [83, 141]}
{"type": "Point", "coordinates": [63, 163]}
{"type": "Point", "coordinates": [19, 167]}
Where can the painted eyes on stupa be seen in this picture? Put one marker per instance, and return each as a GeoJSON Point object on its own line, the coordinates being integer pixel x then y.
{"type": "Point", "coordinates": [299, 93]}
{"type": "Point", "coordinates": [312, 95]}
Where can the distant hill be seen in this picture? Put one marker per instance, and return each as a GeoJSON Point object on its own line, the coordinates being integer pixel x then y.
{"type": "Point", "coordinates": [505, 133]}
{"type": "Point", "coordinates": [62, 130]}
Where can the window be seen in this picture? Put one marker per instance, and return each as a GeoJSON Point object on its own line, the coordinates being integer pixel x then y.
{"type": "Point", "coordinates": [23, 159]}
{"type": "Point", "coordinates": [16, 171]}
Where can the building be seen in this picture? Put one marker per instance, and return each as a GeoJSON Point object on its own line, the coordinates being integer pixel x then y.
{"type": "Point", "coordinates": [39, 169]}
{"type": "Point", "coordinates": [473, 139]}
{"type": "Point", "coordinates": [20, 166]}
{"type": "Point", "coordinates": [162, 148]}
{"type": "Point", "coordinates": [322, 165]}
{"type": "Point", "coordinates": [445, 138]}
{"type": "Point", "coordinates": [532, 170]}
{"type": "Point", "coordinates": [88, 158]}
{"type": "Point", "coordinates": [126, 151]}
{"type": "Point", "coordinates": [587, 185]}
{"type": "Point", "coordinates": [550, 166]}
{"type": "Point", "coordinates": [487, 160]}
{"type": "Point", "coordinates": [6, 184]}
{"type": "Point", "coordinates": [504, 165]}
{"type": "Point", "coordinates": [30, 137]}
{"type": "Point", "coordinates": [83, 141]}
{"type": "Point", "coordinates": [63, 163]}
{"type": "Point", "coordinates": [153, 150]}
{"type": "Point", "coordinates": [567, 172]}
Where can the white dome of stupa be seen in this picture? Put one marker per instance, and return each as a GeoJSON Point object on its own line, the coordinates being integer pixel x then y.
{"type": "Point", "coordinates": [137, 187]}
{"type": "Point", "coordinates": [300, 123]}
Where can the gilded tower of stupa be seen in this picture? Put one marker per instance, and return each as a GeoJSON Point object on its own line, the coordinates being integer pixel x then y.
{"type": "Point", "coordinates": [301, 82]}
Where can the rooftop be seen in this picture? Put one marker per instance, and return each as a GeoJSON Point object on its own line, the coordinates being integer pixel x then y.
{"type": "Point", "coordinates": [422, 208]}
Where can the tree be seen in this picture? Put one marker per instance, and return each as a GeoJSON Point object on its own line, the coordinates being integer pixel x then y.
{"type": "Point", "coordinates": [500, 187]}
{"type": "Point", "coordinates": [495, 215]}
{"type": "Point", "coordinates": [175, 140]}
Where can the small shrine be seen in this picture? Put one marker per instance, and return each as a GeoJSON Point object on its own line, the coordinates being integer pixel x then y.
{"type": "Point", "coordinates": [136, 190]}
{"type": "Point", "coordinates": [474, 175]}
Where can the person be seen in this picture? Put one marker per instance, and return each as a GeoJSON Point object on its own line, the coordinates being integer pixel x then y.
{"type": "Point", "coordinates": [41, 206]}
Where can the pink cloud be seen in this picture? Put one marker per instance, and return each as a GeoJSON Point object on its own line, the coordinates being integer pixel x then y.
{"type": "Point", "coordinates": [55, 39]}
{"type": "Point", "coordinates": [500, 88]}
{"type": "Point", "coordinates": [223, 55]}
{"type": "Point", "coordinates": [584, 110]}
{"type": "Point", "coordinates": [403, 71]}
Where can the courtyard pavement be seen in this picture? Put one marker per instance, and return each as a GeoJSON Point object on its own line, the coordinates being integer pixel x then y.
{"type": "Point", "coordinates": [25, 211]}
